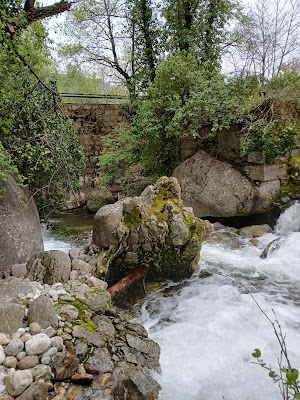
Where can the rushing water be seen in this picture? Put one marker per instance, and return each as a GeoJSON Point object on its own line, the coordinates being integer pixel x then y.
{"type": "Point", "coordinates": [209, 325]}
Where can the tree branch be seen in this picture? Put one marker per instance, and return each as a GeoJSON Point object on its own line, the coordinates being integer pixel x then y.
{"type": "Point", "coordinates": [35, 14]}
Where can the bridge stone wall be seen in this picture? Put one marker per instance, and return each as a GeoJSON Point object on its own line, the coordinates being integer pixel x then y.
{"type": "Point", "coordinates": [93, 122]}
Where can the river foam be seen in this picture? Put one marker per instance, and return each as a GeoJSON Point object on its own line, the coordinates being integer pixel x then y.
{"type": "Point", "coordinates": [208, 326]}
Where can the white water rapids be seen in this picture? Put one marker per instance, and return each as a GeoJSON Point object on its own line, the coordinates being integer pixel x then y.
{"type": "Point", "coordinates": [209, 325]}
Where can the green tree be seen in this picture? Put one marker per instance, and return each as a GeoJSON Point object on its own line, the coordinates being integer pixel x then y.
{"type": "Point", "coordinates": [37, 139]}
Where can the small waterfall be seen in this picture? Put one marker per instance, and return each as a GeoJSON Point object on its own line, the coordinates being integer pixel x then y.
{"type": "Point", "coordinates": [289, 220]}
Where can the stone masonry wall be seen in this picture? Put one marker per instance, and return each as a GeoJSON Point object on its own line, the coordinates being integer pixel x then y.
{"type": "Point", "coordinates": [93, 122]}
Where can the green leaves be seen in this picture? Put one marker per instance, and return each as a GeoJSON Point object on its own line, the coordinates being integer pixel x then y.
{"type": "Point", "coordinates": [256, 353]}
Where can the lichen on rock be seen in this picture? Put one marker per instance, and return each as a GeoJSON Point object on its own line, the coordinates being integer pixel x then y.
{"type": "Point", "coordinates": [155, 229]}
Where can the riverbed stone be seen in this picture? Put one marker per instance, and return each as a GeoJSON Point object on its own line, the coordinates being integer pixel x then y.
{"type": "Point", "coordinates": [41, 310]}
{"type": "Point", "coordinates": [10, 362]}
{"type": "Point", "coordinates": [49, 267]}
{"type": "Point", "coordinates": [11, 317]}
{"type": "Point", "coordinates": [2, 355]}
{"type": "Point", "coordinates": [41, 372]}
{"type": "Point", "coordinates": [18, 270]}
{"type": "Point", "coordinates": [16, 382]}
{"type": "Point", "coordinates": [134, 383]}
{"type": "Point", "coordinates": [91, 337]}
{"type": "Point", "coordinates": [104, 326]}
{"type": "Point", "coordinates": [99, 362]}
{"type": "Point", "coordinates": [254, 231]}
{"type": "Point", "coordinates": [14, 347]}
{"type": "Point", "coordinates": [38, 344]}
{"type": "Point", "coordinates": [146, 345]}
{"type": "Point", "coordinates": [36, 391]}
{"type": "Point", "coordinates": [82, 267]}
{"type": "Point", "coordinates": [64, 365]}
{"type": "Point", "coordinates": [28, 362]}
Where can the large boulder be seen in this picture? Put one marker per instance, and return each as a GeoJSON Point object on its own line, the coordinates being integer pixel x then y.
{"type": "Point", "coordinates": [155, 229]}
{"type": "Point", "coordinates": [20, 230]}
{"type": "Point", "coordinates": [215, 188]}
{"type": "Point", "coordinates": [49, 267]}
{"type": "Point", "coordinates": [97, 199]}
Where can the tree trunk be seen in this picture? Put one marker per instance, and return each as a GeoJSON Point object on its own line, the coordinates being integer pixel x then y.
{"type": "Point", "coordinates": [124, 283]}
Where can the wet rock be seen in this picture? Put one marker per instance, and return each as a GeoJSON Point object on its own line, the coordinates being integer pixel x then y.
{"type": "Point", "coordinates": [36, 391]}
{"type": "Point", "coordinates": [99, 362]}
{"type": "Point", "coordinates": [14, 347]}
{"type": "Point", "coordinates": [41, 310]}
{"type": "Point", "coordinates": [89, 336]}
{"type": "Point", "coordinates": [134, 383]}
{"type": "Point", "coordinates": [254, 231]}
{"type": "Point", "coordinates": [64, 365]}
{"type": "Point", "coordinates": [49, 267]}
{"type": "Point", "coordinates": [38, 344]}
{"type": "Point", "coordinates": [16, 382]}
{"type": "Point", "coordinates": [147, 346]}
{"type": "Point", "coordinates": [28, 362]}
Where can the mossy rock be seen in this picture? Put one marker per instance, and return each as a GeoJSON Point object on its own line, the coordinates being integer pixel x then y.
{"type": "Point", "coordinates": [97, 199]}
{"type": "Point", "coordinates": [294, 170]}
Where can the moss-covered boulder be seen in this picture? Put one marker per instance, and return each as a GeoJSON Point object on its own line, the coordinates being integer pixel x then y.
{"type": "Point", "coordinates": [97, 199]}
{"type": "Point", "coordinates": [155, 229]}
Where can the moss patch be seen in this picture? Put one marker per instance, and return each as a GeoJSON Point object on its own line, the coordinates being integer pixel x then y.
{"type": "Point", "coordinates": [133, 219]}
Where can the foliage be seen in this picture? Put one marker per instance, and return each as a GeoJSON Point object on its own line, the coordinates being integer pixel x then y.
{"type": "Point", "coordinates": [185, 98]}
{"type": "Point", "coordinates": [37, 138]}
{"type": "Point", "coordinates": [119, 156]}
{"type": "Point", "coordinates": [288, 383]}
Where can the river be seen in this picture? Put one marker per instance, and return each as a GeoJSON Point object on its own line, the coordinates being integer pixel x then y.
{"type": "Point", "coordinates": [208, 325]}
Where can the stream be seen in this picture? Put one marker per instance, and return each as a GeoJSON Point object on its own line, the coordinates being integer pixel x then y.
{"type": "Point", "coordinates": [208, 326]}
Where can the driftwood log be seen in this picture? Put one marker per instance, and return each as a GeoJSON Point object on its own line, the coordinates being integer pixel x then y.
{"type": "Point", "coordinates": [124, 283]}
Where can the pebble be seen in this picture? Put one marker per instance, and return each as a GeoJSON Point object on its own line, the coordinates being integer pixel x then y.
{"type": "Point", "coordinates": [10, 362]}
{"type": "Point", "coordinates": [2, 355]}
{"type": "Point", "coordinates": [14, 347]}
{"type": "Point", "coordinates": [61, 324]}
{"type": "Point", "coordinates": [50, 352]}
{"type": "Point", "coordinates": [21, 331]}
{"type": "Point", "coordinates": [74, 275]}
{"type": "Point", "coordinates": [38, 344]}
{"type": "Point", "coordinates": [49, 331]}
{"type": "Point", "coordinates": [29, 296]}
{"type": "Point", "coordinates": [21, 355]}
{"type": "Point", "coordinates": [16, 335]}
{"type": "Point", "coordinates": [3, 339]}
{"type": "Point", "coordinates": [28, 362]}
{"type": "Point", "coordinates": [58, 343]}
{"type": "Point", "coordinates": [26, 337]}
{"type": "Point", "coordinates": [46, 360]}
{"type": "Point", "coordinates": [35, 328]}
{"type": "Point", "coordinates": [21, 296]}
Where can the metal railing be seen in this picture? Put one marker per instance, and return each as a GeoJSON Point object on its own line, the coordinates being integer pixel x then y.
{"type": "Point", "coordinates": [95, 96]}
